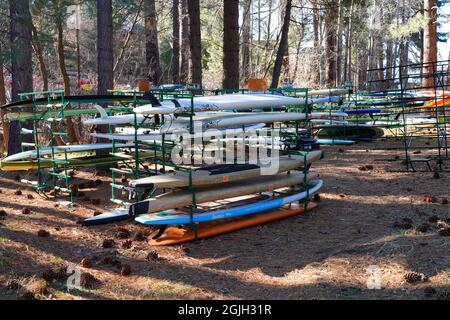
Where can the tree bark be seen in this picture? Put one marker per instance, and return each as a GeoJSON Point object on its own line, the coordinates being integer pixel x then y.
{"type": "Point", "coordinates": [185, 44]}
{"type": "Point", "coordinates": [285, 65]}
{"type": "Point", "coordinates": [62, 66]}
{"type": "Point", "coordinates": [282, 49]}
{"type": "Point", "coordinates": [38, 50]}
{"type": "Point", "coordinates": [339, 43]}
{"type": "Point", "coordinates": [389, 63]}
{"type": "Point", "coordinates": [176, 41]}
{"type": "Point", "coordinates": [429, 42]}
{"type": "Point", "coordinates": [231, 44]}
{"type": "Point", "coordinates": [348, 73]}
{"type": "Point", "coordinates": [5, 124]}
{"type": "Point", "coordinates": [105, 58]}
{"type": "Point", "coordinates": [154, 73]}
{"type": "Point", "coordinates": [315, 78]}
{"type": "Point", "coordinates": [246, 42]}
{"type": "Point", "coordinates": [61, 57]}
{"type": "Point", "coordinates": [330, 47]}
{"type": "Point", "coordinates": [195, 41]}
{"type": "Point", "coordinates": [21, 66]}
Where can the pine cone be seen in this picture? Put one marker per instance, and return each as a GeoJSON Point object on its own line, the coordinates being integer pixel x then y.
{"type": "Point", "coordinates": [445, 232]}
{"type": "Point", "coordinates": [414, 277]}
{"type": "Point", "coordinates": [441, 224]}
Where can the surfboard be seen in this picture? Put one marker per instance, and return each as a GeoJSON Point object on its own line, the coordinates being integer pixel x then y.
{"type": "Point", "coordinates": [222, 173]}
{"type": "Point", "coordinates": [178, 235]}
{"type": "Point", "coordinates": [71, 162]}
{"type": "Point", "coordinates": [61, 149]}
{"type": "Point", "coordinates": [182, 198]}
{"type": "Point", "coordinates": [108, 217]}
{"type": "Point", "coordinates": [221, 102]}
{"type": "Point", "coordinates": [159, 136]}
{"type": "Point", "coordinates": [176, 217]}
{"type": "Point", "coordinates": [143, 119]}
{"type": "Point", "coordinates": [257, 117]}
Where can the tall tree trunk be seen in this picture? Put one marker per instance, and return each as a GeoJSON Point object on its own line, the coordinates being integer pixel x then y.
{"type": "Point", "coordinates": [176, 41]}
{"type": "Point", "coordinates": [362, 61]}
{"type": "Point", "coordinates": [21, 66]}
{"type": "Point", "coordinates": [389, 62]}
{"type": "Point", "coordinates": [5, 124]}
{"type": "Point", "coordinates": [285, 68]}
{"type": "Point", "coordinates": [282, 49]}
{"type": "Point", "coordinates": [330, 47]}
{"type": "Point", "coordinates": [231, 44]}
{"type": "Point", "coordinates": [38, 50]}
{"type": "Point", "coordinates": [348, 74]}
{"type": "Point", "coordinates": [105, 61]}
{"type": "Point", "coordinates": [339, 42]}
{"type": "Point", "coordinates": [62, 66]}
{"type": "Point", "coordinates": [195, 41]}
{"type": "Point", "coordinates": [246, 41]}
{"type": "Point", "coordinates": [185, 44]}
{"type": "Point", "coordinates": [315, 78]}
{"type": "Point", "coordinates": [105, 58]}
{"type": "Point", "coordinates": [152, 48]}
{"type": "Point", "coordinates": [62, 59]}
{"type": "Point", "coordinates": [429, 42]}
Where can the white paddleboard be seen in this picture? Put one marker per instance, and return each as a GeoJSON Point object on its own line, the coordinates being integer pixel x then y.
{"type": "Point", "coordinates": [222, 102]}
{"type": "Point", "coordinates": [159, 136]}
{"type": "Point", "coordinates": [61, 149]}
{"type": "Point", "coordinates": [257, 117]}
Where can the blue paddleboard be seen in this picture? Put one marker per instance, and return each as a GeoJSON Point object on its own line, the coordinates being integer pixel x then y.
{"type": "Point", "coordinates": [175, 217]}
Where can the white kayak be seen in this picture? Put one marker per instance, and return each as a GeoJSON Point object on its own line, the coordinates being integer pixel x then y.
{"type": "Point", "coordinates": [33, 154]}
{"type": "Point", "coordinates": [221, 102]}
{"type": "Point", "coordinates": [156, 136]}
{"type": "Point", "coordinates": [131, 118]}
{"type": "Point", "coordinates": [239, 120]}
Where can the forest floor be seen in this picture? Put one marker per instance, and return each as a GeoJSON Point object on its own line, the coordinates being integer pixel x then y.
{"type": "Point", "coordinates": [333, 252]}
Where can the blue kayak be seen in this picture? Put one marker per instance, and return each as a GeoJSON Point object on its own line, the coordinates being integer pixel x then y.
{"type": "Point", "coordinates": [177, 217]}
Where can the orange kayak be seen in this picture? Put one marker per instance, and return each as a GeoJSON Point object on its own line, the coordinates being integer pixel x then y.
{"type": "Point", "coordinates": [177, 235]}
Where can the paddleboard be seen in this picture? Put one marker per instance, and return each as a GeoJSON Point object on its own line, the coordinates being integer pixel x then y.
{"type": "Point", "coordinates": [222, 173]}
{"type": "Point", "coordinates": [239, 120]}
{"type": "Point", "coordinates": [71, 162]}
{"type": "Point", "coordinates": [174, 217]}
{"type": "Point", "coordinates": [182, 198]}
{"type": "Point", "coordinates": [177, 235]}
{"type": "Point", "coordinates": [107, 217]}
{"type": "Point", "coordinates": [159, 136]}
{"type": "Point", "coordinates": [61, 149]}
{"type": "Point", "coordinates": [221, 102]}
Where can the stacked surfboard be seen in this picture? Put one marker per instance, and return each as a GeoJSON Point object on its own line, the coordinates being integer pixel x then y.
{"type": "Point", "coordinates": [212, 198]}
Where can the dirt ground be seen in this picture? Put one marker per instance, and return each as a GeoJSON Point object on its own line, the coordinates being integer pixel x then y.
{"type": "Point", "coordinates": [350, 241]}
